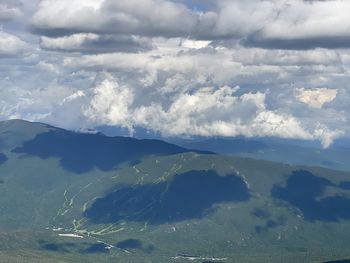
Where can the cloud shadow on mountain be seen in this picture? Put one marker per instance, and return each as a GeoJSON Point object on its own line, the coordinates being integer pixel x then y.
{"type": "Point", "coordinates": [3, 158]}
{"type": "Point", "coordinates": [66, 247]}
{"type": "Point", "coordinates": [305, 191]}
{"type": "Point", "coordinates": [95, 249]}
{"type": "Point", "coordinates": [191, 195]}
{"type": "Point", "coordinates": [81, 152]}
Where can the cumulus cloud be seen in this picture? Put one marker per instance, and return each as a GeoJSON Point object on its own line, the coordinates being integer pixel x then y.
{"type": "Point", "coordinates": [11, 45]}
{"type": "Point", "coordinates": [219, 112]}
{"type": "Point", "coordinates": [10, 10]}
{"type": "Point", "coordinates": [147, 17]}
{"type": "Point", "coordinates": [327, 136]}
{"type": "Point", "coordinates": [305, 24]}
{"type": "Point", "coordinates": [286, 24]}
{"type": "Point", "coordinates": [194, 44]}
{"type": "Point", "coordinates": [176, 71]}
{"type": "Point", "coordinates": [205, 112]}
{"type": "Point", "coordinates": [92, 43]}
{"type": "Point", "coordinates": [316, 98]}
{"type": "Point", "coordinates": [110, 104]}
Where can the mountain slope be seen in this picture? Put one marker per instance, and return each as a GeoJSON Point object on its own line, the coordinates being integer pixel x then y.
{"type": "Point", "coordinates": [155, 206]}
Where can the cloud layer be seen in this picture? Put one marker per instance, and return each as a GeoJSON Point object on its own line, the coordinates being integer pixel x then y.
{"type": "Point", "coordinates": [286, 24]}
{"type": "Point", "coordinates": [179, 68]}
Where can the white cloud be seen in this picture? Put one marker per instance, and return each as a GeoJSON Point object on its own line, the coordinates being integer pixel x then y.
{"type": "Point", "coordinates": [73, 42]}
{"type": "Point", "coordinates": [291, 24]}
{"type": "Point", "coordinates": [9, 12]}
{"type": "Point", "coordinates": [74, 96]}
{"type": "Point", "coordinates": [93, 43]}
{"type": "Point", "coordinates": [11, 45]}
{"type": "Point", "coordinates": [205, 112]}
{"type": "Point", "coordinates": [60, 14]}
{"type": "Point", "coordinates": [110, 104]}
{"type": "Point", "coordinates": [221, 112]}
{"type": "Point", "coordinates": [194, 44]}
{"type": "Point", "coordinates": [316, 98]}
{"type": "Point", "coordinates": [147, 17]}
{"type": "Point", "coordinates": [326, 135]}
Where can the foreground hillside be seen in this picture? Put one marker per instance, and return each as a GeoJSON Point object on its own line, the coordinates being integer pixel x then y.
{"type": "Point", "coordinates": [69, 197]}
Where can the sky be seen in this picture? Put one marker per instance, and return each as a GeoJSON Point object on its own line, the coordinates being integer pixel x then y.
{"type": "Point", "coordinates": [179, 68]}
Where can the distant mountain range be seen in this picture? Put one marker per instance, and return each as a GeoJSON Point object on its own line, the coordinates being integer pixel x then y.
{"type": "Point", "coordinates": [277, 150]}
{"type": "Point", "coordinates": [76, 197]}
{"type": "Point", "coordinates": [290, 151]}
